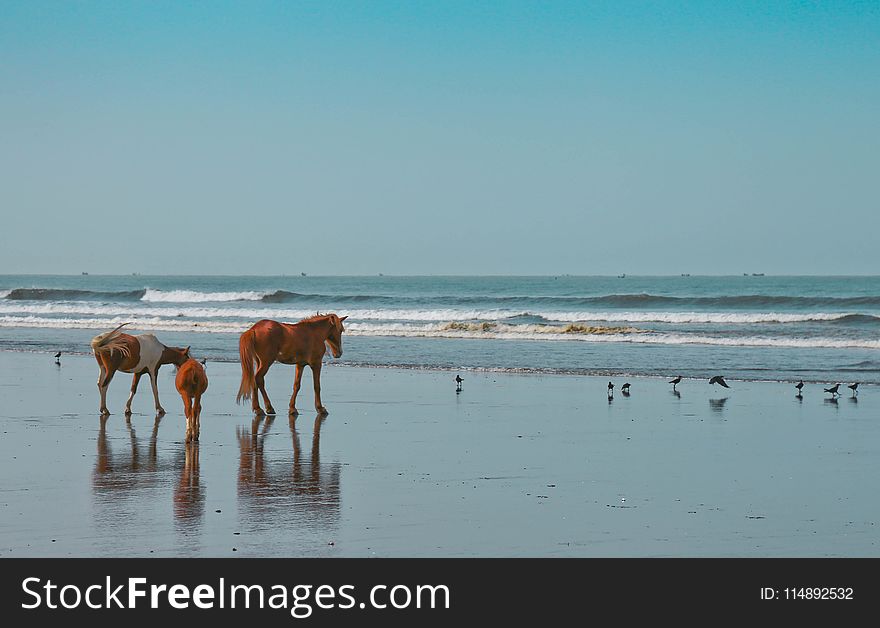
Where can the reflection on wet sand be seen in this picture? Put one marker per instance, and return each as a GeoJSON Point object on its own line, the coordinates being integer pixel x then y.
{"type": "Point", "coordinates": [717, 405]}
{"type": "Point", "coordinates": [189, 497]}
{"type": "Point", "coordinates": [277, 492]}
{"type": "Point", "coordinates": [116, 476]}
{"type": "Point", "coordinates": [130, 485]}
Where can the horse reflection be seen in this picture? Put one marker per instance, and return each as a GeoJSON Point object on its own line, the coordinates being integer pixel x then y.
{"type": "Point", "coordinates": [128, 484]}
{"type": "Point", "coordinates": [189, 498]}
{"type": "Point", "coordinates": [131, 472]}
{"type": "Point", "coordinates": [277, 491]}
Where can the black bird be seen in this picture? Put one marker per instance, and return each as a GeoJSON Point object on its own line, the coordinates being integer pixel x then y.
{"type": "Point", "coordinates": [799, 386]}
{"type": "Point", "coordinates": [204, 362]}
{"type": "Point", "coordinates": [58, 358]}
{"type": "Point", "coordinates": [625, 388]}
{"type": "Point", "coordinates": [833, 390]}
{"type": "Point", "coordinates": [855, 388]}
{"type": "Point", "coordinates": [675, 382]}
{"type": "Point", "coordinates": [718, 379]}
{"type": "Point", "coordinates": [458, 381]}
{"type": "Point", "coordinates": [610, 389]}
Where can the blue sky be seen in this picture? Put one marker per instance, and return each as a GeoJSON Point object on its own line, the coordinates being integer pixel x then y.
{"type": "Point", "coordinates": [447, 137]}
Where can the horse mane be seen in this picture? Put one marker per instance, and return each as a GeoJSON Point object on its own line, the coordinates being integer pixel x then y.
{"type": "Point", "coordinates": [314, 318]}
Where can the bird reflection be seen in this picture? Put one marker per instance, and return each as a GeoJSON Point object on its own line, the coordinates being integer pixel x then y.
{"type": "Point", "coordinates": [717, 405]}
{"type": "Point", "coordinates": [277, 491]}
{"type": "Point", "coordinates": [675, 394]}
{"type": "Point", "coordinates": [831, 400]}
{"type": "Point", "coordinates": [854, 399]}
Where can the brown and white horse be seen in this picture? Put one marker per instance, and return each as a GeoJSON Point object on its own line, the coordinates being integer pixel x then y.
{"type": "Point", "coordinates": [191, 383]}
{"type": "Point", "coordinates": [302, 344]}
{"type": "Point", "coordinates": [116, 351]}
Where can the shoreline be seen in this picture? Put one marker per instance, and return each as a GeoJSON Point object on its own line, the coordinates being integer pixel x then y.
{"type": "Point", "coordinates": [500, 370]}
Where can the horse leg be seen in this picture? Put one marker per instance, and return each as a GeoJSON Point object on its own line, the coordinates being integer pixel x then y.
{"type": "Point", "coordinates": [297, 380]}
{"type": "Point", "coordinates": [260, 382]}
{"type": "Point", "coordinates": [187, 412]}
{"type": "Point", "coordinates": [197, 414]}
{"type": "Point", "coordinates": [153, 376]}
{"type": "Point", "coordinates": [316, 379]}
{"type": "Point", "coordinates": [134, 387]}
{"type": "Point", "coordinates": [103, 385]}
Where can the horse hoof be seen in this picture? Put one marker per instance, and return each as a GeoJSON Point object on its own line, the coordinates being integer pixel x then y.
{"type": "Point", "coordinates": [270, 411]}
{"type": "Point", "coordinates": [160, 412]}
{"type": "Point", "coordinates": [322, 410]}
{"type": "Point", "coordinates": [258, 412]}
{"type": "Point", "coordinates": [293, 412]}
{"type": "Point", "coordinates": [105, 412]}
{"type": "Point", "coordinates": [128, 412]}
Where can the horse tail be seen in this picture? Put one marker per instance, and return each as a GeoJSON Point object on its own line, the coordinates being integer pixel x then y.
{"type": "Point", "coordinates": [110, 341]}
{"type": "Point", "coordinates": [246, 351]}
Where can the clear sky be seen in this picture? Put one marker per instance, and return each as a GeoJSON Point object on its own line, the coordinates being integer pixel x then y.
{"type": "Point", "coordinates": [472, 137]}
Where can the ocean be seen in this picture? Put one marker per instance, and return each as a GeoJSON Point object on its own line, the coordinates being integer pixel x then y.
{"type": "Point", "coordinates": [819, 329]}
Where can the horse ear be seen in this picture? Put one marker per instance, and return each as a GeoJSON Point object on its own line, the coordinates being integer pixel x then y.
{"type": "Point", "coordinates": [343, 318]}
{"type": "Point", "coordinates": [186, 351]}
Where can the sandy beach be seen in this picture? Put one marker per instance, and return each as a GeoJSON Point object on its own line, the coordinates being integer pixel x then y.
{"type": "Point", "coordinates": [515, 465]}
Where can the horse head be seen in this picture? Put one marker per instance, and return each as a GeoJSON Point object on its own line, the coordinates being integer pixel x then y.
{"type": "Point", "coordinates": [334, 335]}
{"type": "Point", "coordinates": [178, 355]}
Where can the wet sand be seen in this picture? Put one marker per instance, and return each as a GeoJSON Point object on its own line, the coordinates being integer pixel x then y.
{"type": "Point", "coordinates": [514, 465]}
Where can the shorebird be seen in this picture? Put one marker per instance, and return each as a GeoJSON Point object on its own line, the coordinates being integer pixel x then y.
{"type": "Point", "coordinates": [625, 388]}
{"type": "Point", "coordinates": [675, 382]}
{"type": "Point", "coordinates": [854, 387]}
{"type": "Point", "coordinates": [458, 381]}
{"type": "Point", "coordinates": [833, 390]}
{"type": "Point", "coordinates": [718, 379]}
{"type": "Point", "coordinates": [204, 362]}
{"type": "Point", "coordinates": [610, 389]}
{"type": "Point", "coordinates": [799, 386]}
{"type": "Point", "coordinates": [58, 358]}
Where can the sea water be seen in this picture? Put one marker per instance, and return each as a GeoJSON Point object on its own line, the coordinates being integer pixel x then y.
{"type": "Point", "coordinates": [822, 329]}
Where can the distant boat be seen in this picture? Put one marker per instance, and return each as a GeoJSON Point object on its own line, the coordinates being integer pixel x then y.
{"type": "Point", "coordinates": [84, 273]}
{"type": "Point", "coordinates": [303, 274]}
{"type": "Point", "coordinates": [685, 274]}
{"type": "Point", "coordinates": [757, 274]}
{"type": "Point", "coordinates": [623, 276]}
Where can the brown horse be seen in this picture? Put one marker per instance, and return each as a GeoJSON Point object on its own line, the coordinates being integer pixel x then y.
{"type": "Point", "coordinates": [302, 344]}
{"type": "Point", "coordinates": [116, 351]}
{"type": "Point", "coordinates": [191, 383]}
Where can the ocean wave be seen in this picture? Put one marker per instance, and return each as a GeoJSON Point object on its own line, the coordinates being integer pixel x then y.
{"type": "Point", "coordinates": [437, 315]}
{"type": "Point", "coordinates": [56, 294]}
{"type": "Point", "coordinates": [637, 301]}
{"type": "Point", "coordinates": [194, 296]}
{"type": "Point", "coordinates": [284, 296]}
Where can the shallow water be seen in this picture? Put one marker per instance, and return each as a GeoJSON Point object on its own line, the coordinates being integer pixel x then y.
{"type": "Point", "coordinates": [514, 465]}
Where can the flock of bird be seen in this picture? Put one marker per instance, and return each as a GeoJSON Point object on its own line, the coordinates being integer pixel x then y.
{"type": "Point", "coordinates": [854, 387]}
{"type": "Point", "coordinates": [718, 379]}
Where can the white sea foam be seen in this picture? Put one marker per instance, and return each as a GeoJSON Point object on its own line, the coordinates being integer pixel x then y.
{"type": "Point", "coordinates": [439, 315]}
{"type": "Point", "coordinates": [4, 293]}
{"type": "Point", "coordinates": [443, 330]}
{"type": "Point", "coordinates": [192, 296]}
